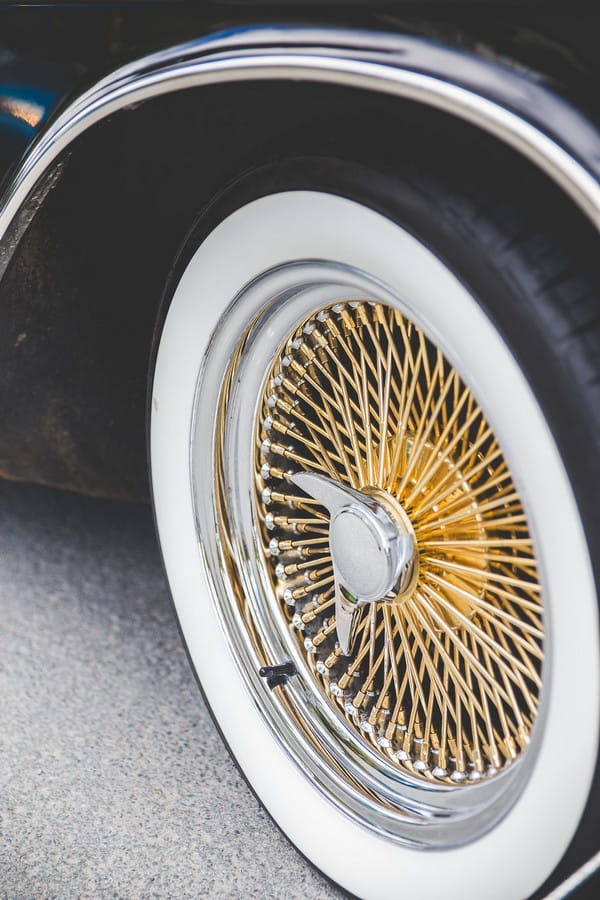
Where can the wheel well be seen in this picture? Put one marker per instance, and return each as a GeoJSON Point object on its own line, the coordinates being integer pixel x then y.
{"type": "Point", "coordinates": [81, 294]}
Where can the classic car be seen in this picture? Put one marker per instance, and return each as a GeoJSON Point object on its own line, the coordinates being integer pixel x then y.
{"type": "Point", "coordinates": [334, 268]}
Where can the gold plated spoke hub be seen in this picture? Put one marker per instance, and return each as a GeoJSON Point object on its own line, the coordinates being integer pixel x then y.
{"type": "Point", "coordinates": [444, 680]}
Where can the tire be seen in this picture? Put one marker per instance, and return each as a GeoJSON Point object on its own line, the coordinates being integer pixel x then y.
{"type": "Point", "coordinates": [317, 306]}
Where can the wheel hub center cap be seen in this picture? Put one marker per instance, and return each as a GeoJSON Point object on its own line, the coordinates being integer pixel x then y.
{"type": "Point", "coordinates": [372, 544]}
{"type": "Point", "coordinates": [373, 555]}
{"type": "Point", "coordinates": [360, 552]}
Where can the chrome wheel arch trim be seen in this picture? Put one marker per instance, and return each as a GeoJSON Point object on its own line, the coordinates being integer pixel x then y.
{"type": "Point", "coordinates": [497, 99]}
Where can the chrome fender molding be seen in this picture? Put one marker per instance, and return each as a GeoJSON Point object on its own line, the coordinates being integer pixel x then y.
{"type": "Point", "coordinates": [505, 102]}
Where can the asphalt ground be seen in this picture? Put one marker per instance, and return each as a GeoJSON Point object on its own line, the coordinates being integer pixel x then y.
{"type": "Point", "coordinates": [115, 782]}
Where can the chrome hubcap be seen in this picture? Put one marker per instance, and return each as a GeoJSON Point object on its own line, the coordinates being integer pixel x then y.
{"type": "Point", "coordinates": [373, 550]}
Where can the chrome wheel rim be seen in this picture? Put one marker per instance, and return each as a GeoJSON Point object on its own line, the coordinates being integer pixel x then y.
{"type": "Point", "coordinates": [392, 782]}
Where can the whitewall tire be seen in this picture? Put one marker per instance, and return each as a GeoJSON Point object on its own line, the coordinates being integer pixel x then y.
{"type": "Point", "coordinates": [276, 261]}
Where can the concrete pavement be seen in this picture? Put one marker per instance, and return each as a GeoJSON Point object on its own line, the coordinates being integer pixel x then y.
{"type": "Point", "coordinates": [114, 780]}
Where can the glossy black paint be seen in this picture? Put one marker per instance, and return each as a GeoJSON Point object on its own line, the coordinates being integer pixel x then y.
{"type": "Point", "coordinates": [78, 300]}
{"type": "Point", "coordinates": [52, 50]}
{"type": "Point", "coordinates": [29, 91]}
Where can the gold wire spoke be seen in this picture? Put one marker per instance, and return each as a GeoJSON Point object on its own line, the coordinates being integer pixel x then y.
{"type": "Point", "coordinates": [444, 683]}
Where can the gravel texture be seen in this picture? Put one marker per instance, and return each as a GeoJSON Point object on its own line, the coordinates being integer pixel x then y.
{"type": "Point", "coordinates": [115, 782]}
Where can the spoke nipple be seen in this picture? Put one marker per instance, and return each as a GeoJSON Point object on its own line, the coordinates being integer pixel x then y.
{"type": "Point", "coordinates": [278, 380]}
{"type": "Point", "coordinates": [286, 360]}
{"type": "Point", "coordinates": [268, 423]}
{"type": "Point", "coordinates": [272, 401]}
{"type": "Point", "coordinates": [288, 597]}
{"type": "Point", "coordinates": [265, 471]}
{"type": "Point", "coordinates": [276, 675]}
{"type": "Point", "coordinates": [265, 446]}
{"type": "Point", "coordinates": [274, 547]}
{"type": "Point", "coordinates": [458, 777]}
{"type": "Point", "coordinates": [270, 521]}
{"type": "Point", "coordinates": [297, 622]}
{"type": "Point", "coordinates": [266, 496]}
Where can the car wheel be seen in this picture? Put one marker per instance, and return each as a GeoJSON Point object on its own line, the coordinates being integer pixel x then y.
{"type": "Point", "coordinates": [362, 406]}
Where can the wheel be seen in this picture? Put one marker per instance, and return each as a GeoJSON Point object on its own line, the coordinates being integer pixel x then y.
{"type": "Point", "coordinates": [376, 551]}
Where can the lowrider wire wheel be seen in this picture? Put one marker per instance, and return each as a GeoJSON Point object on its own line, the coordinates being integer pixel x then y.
{"type": "Point", "coordinates": [374, 549]}
{"type": "Point", "coordinates": [396, 545]}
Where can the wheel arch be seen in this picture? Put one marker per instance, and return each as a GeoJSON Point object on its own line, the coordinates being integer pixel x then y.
{"type": "Point", "coordinates": [89, 224]}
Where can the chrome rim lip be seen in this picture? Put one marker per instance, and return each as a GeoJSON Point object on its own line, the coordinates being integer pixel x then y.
{"type": "Point", "coordinates": [428, 814]}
